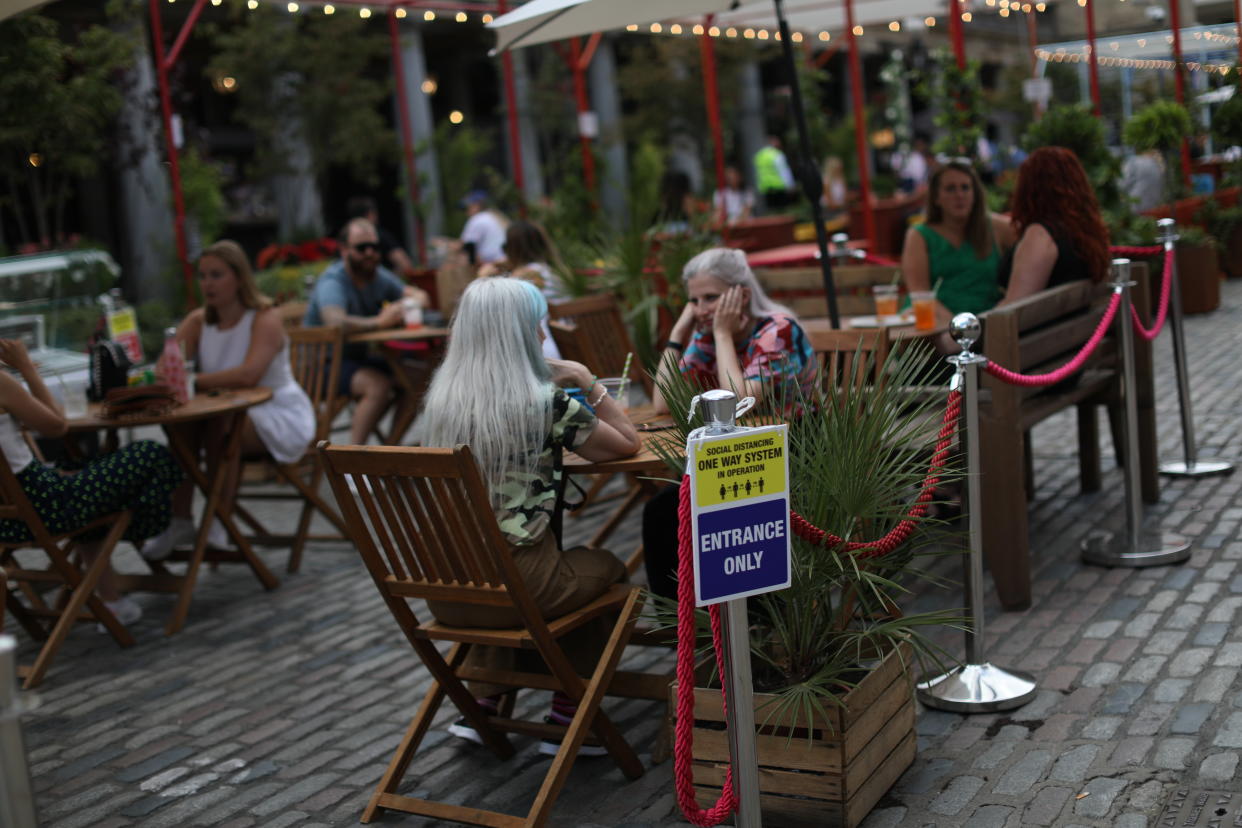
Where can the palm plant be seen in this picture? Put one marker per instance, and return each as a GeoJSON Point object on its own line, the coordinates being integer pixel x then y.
{"type": "Point", "coordinates": [858, 456]}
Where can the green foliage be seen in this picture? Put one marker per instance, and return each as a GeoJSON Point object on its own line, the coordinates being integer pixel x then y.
{"type": "Point", "coordinates": [459, 153]}
{"type": "Point", "coordinates": [1227, 121]}
{"type": "Point", "coordinates": [1078, 130]}
{"type": "Point", "coordinates": [1220, 222]}
{"type": "Point", "coordinates": [959, 100]}
{"type": "Point", "coordinates": [809, 642]}
{"type": "Point", "coordinates": [202, 185]}
{"type": "Point", "coordinates": [1162, 126]}
{"type": "Point", "coordinates": [153, 318]}
{"type": "Point", "coordinates": [57, 102]}
{"type": "Point", "coordinates": [313, 74]}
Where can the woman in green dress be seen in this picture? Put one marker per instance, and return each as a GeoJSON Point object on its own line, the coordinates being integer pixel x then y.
{"type": "Point", "coordinates": [957, 249]}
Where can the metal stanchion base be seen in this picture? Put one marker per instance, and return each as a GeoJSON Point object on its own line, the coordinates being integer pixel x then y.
{"type": "Point", "coordinates": [1155, 548]}
{"type": "Point", "coordinates": [1200, 468]}
{"type": "Point", "coordinates": [977, 688]}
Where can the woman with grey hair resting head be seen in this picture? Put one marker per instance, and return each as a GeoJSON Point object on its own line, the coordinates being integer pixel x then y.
{"type": "Point", "coordinates": [498, 394]}
{"type": "Point", "coordinates": [731, 336]}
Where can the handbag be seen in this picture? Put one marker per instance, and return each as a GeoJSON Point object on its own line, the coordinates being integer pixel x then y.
{"type": "Point", "coordinates": [139, 401]}
{"type": "Point", "coordinates": [109, 369]}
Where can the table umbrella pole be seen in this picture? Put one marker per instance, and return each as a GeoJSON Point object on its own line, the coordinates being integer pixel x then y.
{"type": "Point", "coordinates": [808, 176]}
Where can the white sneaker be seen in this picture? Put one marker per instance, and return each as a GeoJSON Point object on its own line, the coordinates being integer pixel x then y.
{"type": "Point", "coordinates": [180, 532]}
{"type": "Point", "coordinates": [126, 610]}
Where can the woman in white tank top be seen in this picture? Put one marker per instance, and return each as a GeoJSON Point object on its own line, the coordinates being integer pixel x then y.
{"type": "Point", "coordinates": [139, 477]}
{"type": "Point", "coordinates": [239, 342]}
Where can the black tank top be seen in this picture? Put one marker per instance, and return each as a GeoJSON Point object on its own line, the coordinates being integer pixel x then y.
{"type": "Point", "coordinates": [1069, 266]}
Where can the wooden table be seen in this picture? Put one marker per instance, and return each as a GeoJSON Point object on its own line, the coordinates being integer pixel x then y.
{"type": "Point", "coordinates": [646, 471]}
{"type": "Point", "coordinates": [389, 340]}
{"type": "Point", "coordinates": [895, 332]}
{"type": "Point", "coordinates": [796, 255]}
{"type": "Point", "coordinates": [231, 404]}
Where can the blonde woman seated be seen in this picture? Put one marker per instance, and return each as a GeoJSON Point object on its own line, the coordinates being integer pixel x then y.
{"type": "Point", "coordinates": [498, 394]}
{"type": "Point", "coordinates": [239, 342]}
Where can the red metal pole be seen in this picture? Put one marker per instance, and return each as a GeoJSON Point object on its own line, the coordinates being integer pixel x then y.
{"type": "Point", "coordinates": [580, 95]}
{"type": "Point", "coordinates": [515, 135]}
{"type": "Point", "coordinates": [174, 166]}
{"type": "Point", "coordinates": [956, 35]}
{"type": "Point", "coordinates": [711, 93]}
{"type": "Point", "coordinates": [407, 135]}
{"type": "Point", "coordinates": [184, 34]}
{"type": "Point", "coordinates": [1179, 80]}
{"type": "Point", "coordinates": [1093, 64]}
{"type": "Point", "coordinates": [860, 123]}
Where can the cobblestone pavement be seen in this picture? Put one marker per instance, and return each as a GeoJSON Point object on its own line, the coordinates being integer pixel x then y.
{"type": "Point", "coordinates": [282, 709]}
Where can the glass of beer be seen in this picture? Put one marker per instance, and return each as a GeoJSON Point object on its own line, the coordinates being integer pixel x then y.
{"type": "Point", "coordinates": [924, 304]}
{"type": "Point", "coordinates": [885, 300]}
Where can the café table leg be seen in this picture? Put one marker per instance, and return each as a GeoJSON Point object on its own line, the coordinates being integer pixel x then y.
{"type": "Point", "coordinates": [406, 408]}
{"type": "Point", "coordinates": [213, 490]}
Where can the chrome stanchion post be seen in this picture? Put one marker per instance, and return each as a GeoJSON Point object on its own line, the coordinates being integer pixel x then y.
{"type": "Point", "coordinates": [1191, 465]}
{"type": "Point", "coordinates": [720, 412]}
{"type": "Point", "coordinates": [16, 797]}
{"type": "Point", "coordinates": [1150, 546]}
{"type": "Point", "coordinates": [976, 686]}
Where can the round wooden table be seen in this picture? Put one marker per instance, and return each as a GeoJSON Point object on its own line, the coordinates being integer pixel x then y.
{"type": "Point", "coordinates": [390, 341]}
{"type": "Point", "coordinates": [230, 404]}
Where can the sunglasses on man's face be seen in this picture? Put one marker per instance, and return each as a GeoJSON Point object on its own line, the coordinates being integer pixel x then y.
{"type": "Point", "coordinates": [366, 247]}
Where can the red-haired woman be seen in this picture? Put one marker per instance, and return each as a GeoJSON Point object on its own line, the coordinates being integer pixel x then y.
{"type": "Point", "coordinates": [1061, 235]}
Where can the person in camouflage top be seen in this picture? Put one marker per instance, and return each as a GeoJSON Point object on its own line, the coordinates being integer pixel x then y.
{"type": "Point", "coordinates": [498, 394]}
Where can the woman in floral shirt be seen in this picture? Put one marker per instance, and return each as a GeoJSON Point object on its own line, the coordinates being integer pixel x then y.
{"type": "Point", "coordinates": [731, 335]}
{"type": "Point", "coordinates": [498, 394]}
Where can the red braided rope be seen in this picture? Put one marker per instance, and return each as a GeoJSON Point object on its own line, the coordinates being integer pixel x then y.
{"type": "Point", "coordinates": [1165, 292]}
{"type": "Point", "coordinates": [1053, 377]}
{"type": "Point", "coordinates": [683, 773]}
{"type": "Point", "coordinates": [1153, 250]}
{"type": "Point", "coordinates": [901, 532]}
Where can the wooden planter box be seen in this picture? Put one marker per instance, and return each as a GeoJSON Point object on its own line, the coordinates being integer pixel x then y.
{"type": "Point", "coordinates": [1198, 273]}
{"type": "Point", "coordinates": [836, 777]}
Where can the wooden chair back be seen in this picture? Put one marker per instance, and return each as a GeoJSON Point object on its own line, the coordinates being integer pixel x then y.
{"type": "Point", "coordinates": [75, 600]}
{"type": "Point", "coordinates": [291, 314]}
{"type": "Point", "coordinates": [315, 358]}
{"type": "Point", "coordinates": [850, 357]}
{"type": "Point", "coordinates": [801, 289]}
{"type": "Point", "coordinates": [602, 336]}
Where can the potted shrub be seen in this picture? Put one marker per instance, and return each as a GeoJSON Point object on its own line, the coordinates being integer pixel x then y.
{"type": "Point", "coordinates": [833, 656]}
{"type": "Point", "coordinates": [1161, 126]}
{"type": "Point", "coordinates": [1198, 270]}
{"type": "Point", "coordinates": [1078, 130]}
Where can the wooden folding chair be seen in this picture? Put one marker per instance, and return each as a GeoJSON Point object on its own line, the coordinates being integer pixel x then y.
{"type": "Point", "coordinates": [75, 599]}
{"type": "Point", "coordinates": [604, 342]}
{"type": "Point", "coordinates": [423, 523]}
{"type": "Point", "coordinates": [311, 351]}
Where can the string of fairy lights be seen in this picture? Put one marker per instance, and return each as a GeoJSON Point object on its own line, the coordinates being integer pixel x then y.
{"type": "Point", "coordinates": [1217, 39]}
{"type": "Point", "coordinates": [1003, 8]}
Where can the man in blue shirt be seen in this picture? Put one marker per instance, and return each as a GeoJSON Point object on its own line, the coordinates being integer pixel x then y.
{"type": "Point", "coordinates": [358, 294]}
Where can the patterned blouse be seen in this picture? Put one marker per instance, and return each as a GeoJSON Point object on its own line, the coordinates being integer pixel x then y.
{"type": "Point", "coordinates": [527, 500]}
{"type": "Point", "coordinates": [776, 352]}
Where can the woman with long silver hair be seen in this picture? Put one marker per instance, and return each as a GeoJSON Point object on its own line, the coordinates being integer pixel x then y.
{"type": "Point", "coordinates": [498, 394]}
{"type": "Point", "coordinates": [730, 335]}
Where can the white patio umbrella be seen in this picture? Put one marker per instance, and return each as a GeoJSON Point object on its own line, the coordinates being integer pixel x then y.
{"type": "Point", "coordinates": [8, 8]}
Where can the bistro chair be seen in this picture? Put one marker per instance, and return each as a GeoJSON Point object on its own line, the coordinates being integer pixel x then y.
{"type": "Point", "coordinates": [315, 357]}
{"type": "Point", "coordinates": [49, 618]}
{"type": "Point", "coordinates": [603, 341]}
{"type": "Point", "coordinates": [423, 524]}
{"type": "Point", "coordinates": [850, 357]}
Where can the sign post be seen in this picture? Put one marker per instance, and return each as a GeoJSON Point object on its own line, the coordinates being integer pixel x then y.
{"type": "Point", "coordinates": [739, 495]}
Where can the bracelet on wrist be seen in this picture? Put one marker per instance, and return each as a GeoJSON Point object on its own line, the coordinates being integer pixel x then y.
{"type": "Point", "coordinates": [603, 393]}
{"type": "Point", "coordinates": [675, 345]}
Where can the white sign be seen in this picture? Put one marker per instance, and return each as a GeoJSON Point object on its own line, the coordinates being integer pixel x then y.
{"type": "Point", "coordinates": [588, 124]}
{"type": "Point", "coordinates": [739, 495]}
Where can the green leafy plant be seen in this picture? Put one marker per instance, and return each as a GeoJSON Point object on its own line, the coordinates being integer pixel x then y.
{"type": "Point", "coordinates": [810, 643]}
{"type": "Point", "coordinates": [1078, 130]}
{"type": "Point", "coordinates": [202, 185]}
{"type": "Point", "coordinates": [958, 95]}
{"type": "Point", "coordinates": [57, 108]}
{"type": "Point", "coordinates": [1161, 126]}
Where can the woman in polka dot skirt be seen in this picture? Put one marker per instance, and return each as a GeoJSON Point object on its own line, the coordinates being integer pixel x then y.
{"type": "Point", "coordinates": [139, 477]}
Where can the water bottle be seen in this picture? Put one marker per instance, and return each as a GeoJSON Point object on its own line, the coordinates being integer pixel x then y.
{"type": "Point", "coordinates": [171, 369]}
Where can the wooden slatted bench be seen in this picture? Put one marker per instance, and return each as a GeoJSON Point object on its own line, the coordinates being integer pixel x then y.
{"type": "Point", "coordinates": [801, 289]}
{"type": "Point", "coordinates": [1035, 336]}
